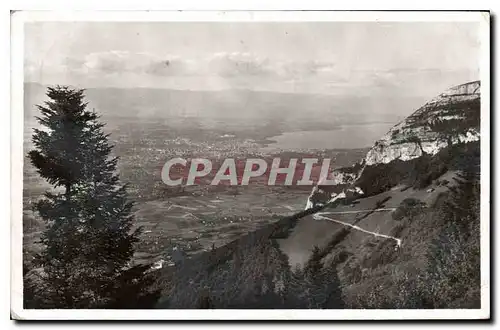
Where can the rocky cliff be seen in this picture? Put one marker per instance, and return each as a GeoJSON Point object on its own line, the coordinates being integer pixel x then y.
{"type": "Point", "coordinates": [452, 118]}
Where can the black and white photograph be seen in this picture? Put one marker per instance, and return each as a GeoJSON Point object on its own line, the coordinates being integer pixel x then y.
{"type": "Point", "coordinates": [253, 165]}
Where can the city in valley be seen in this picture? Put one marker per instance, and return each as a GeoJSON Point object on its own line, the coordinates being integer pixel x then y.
{"type": "Point", "coordinates": [194, 218]}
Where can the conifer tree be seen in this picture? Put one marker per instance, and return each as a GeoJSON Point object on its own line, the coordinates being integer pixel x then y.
{"type": "Point", "coordinates": [452, 278]}
{"type": "Point", "coordinates": [315, 285]}
{"type": "Point", "coordinates": [314, 264]}
{"type": "Point", "coordinates": [462, 208]}
{"type": "Point", "coordinates": [88, 241]}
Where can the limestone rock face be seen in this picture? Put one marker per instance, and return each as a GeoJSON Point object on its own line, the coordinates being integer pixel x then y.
{"type": "Point", "coordinates": [450, 118]}
{"type": "Point", "coordinates": [432, 127]}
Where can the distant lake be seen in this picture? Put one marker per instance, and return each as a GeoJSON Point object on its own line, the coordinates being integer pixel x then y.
{"type": "Point", "coordinates": [344, 137]}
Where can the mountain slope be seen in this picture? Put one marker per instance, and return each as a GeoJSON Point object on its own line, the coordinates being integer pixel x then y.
{"type": "Point", "coordinates": [406, 151]}
{"type": "Point", "coordinates": [398, 246]}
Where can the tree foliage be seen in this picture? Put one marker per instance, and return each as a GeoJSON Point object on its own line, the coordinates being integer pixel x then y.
{"type": "Point", "coordinates": [88, 240]}
{"type": "Point", "coordinates": [315, 285]}
{"type": "Point", "coordinates": [451, 275]}
{"type": "Point", "coordinates": [409, 207]}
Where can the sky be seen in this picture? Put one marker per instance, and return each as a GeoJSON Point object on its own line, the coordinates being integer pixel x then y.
{"type": "Point", "coordinates": [415, 59]}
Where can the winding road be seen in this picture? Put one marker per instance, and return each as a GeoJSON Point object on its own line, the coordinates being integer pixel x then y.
{"type": "Point", "coordinates": [320, 216]}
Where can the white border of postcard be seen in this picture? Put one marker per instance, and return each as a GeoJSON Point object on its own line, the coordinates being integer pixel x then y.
{"type": "Point", "coordinates": [17, 39]}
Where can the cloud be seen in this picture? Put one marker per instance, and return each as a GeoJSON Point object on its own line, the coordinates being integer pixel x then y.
{"type": "Point", "coordinates": [115, 61]}
{"type": "Point", "coordinates": [240, 70]}
{"type": "Point", "coordinates": [239, 67]}
{"type": "Point", "coordinates": [223, 64]}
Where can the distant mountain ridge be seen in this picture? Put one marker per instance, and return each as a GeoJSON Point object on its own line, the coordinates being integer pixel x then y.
{"type": "Point", "coordinates": [231, 104]}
